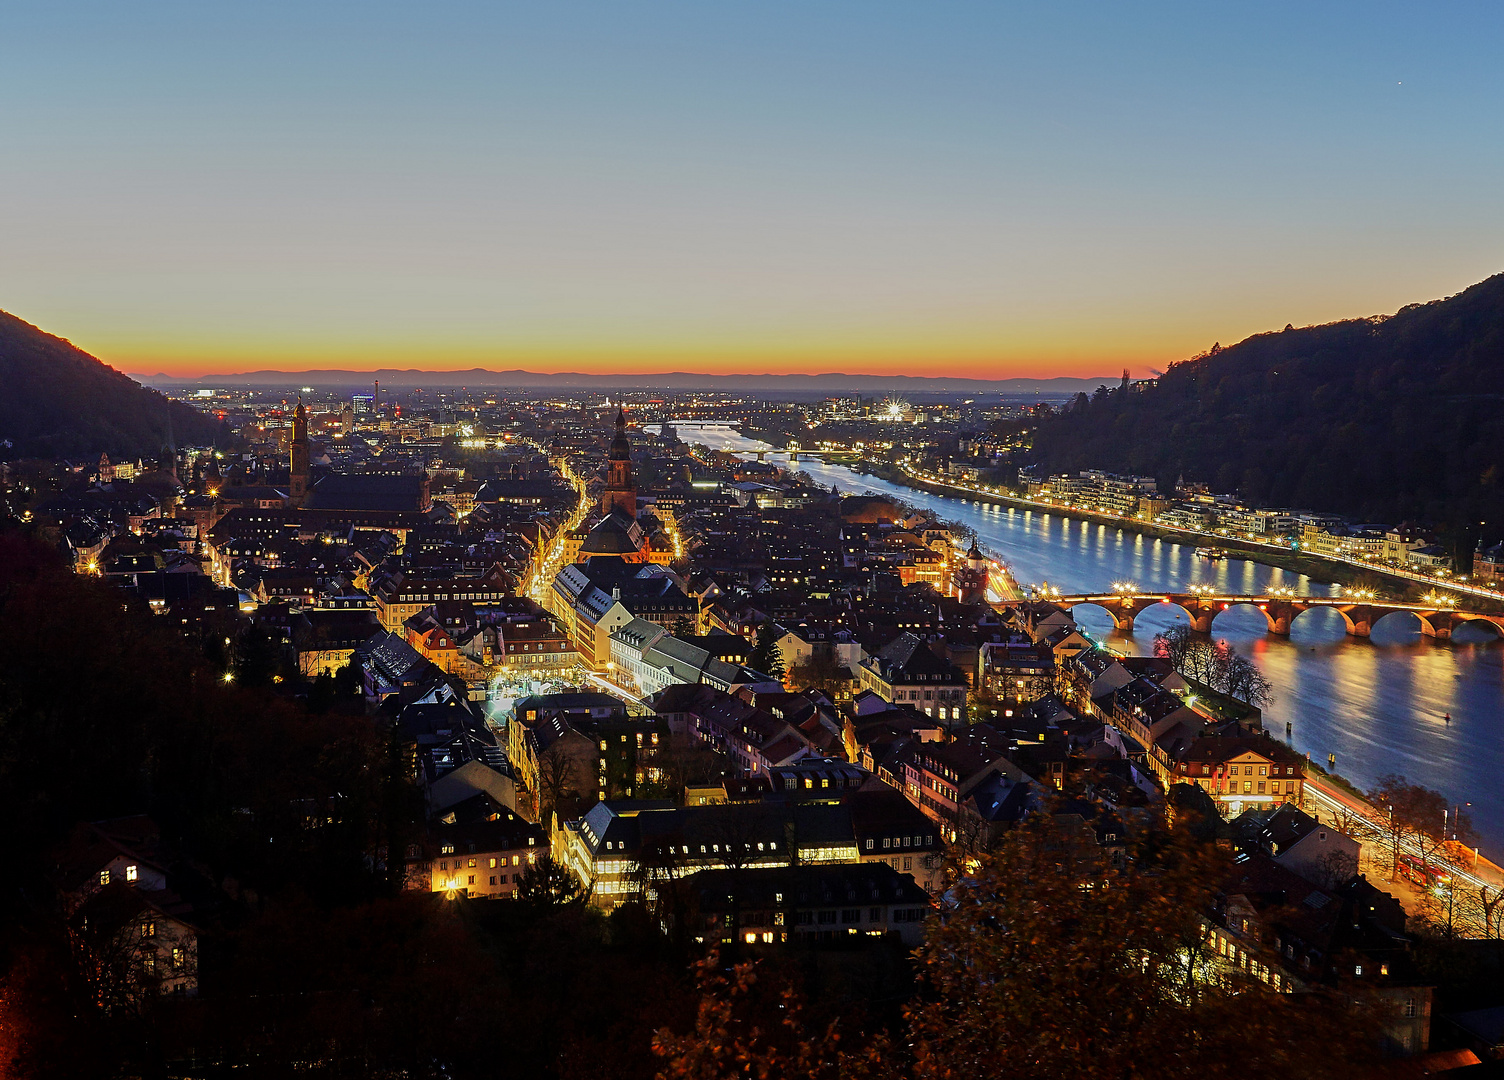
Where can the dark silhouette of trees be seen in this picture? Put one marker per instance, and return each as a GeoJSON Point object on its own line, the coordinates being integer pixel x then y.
{"type": "Point", "coordinates": [820, 672]}
{"type": "Point", "coordinates": [1215, 664]}
{"type": "Point", "coordinates": [753, 1021]}
{"type": "Point", "coordinates": [561, 781]}
{"type": "Point", "coordinates": [766, 657]}
{"type": "Point", "coordinates": [60, 402]}
{"type": "Point", "coordinates": [1048, 961]}
{"type": "Point", "coordinates": [1324, 417]}
{"type": "Point", "coordinates": [548, 883]}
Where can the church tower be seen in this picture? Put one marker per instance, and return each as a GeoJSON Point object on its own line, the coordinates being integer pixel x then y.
{"type": "Point", "coordinates": [620, 493]}
{"type": "Point", "coordinates": [297, 492]}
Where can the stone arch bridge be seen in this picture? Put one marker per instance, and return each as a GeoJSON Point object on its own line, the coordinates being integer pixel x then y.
{"type": "Point", "coordinates": [1436, 621]}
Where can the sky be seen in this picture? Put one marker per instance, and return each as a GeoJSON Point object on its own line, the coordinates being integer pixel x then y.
{"type": "Point", "coordinates": [987, 189]}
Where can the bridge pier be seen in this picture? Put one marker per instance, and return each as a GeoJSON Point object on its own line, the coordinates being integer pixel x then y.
{"type": "Point", "coordinates": [1280, 616]}
{"type": "Point", "coordinates": [1438, 625]}
{"type": "Point", "coordinates": [1281, 611]}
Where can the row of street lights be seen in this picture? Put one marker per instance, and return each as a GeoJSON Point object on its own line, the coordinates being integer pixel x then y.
{"type": "Point", "coordinates": [1437, 599]}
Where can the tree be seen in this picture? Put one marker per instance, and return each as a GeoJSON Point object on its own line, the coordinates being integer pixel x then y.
{"type": "Point", "coordinates": [752, 1021]}
{"type": "Point", "coordinates": [1175, 645]}
{"type": "Point", "coordinates": [683, 627]}
{"type": "Point", "coordinates": [1214, 664]}
{"type": "Point", "coordinates": [558, 779]}
{"type": "Point", "coordinates": [1244, 680]}
{"type": "Point", "coordinates": [1334, 870]}
{"type": "Point", "coordinates": [687, 759]}
{"type": "Point", "coordinates": [820, 672]}
{"type": "Point", "coordinates": [548, 883]}
{"type": "Point", "coordinates": [1412, 816]}
{"type": "Point", "coordinates": [766, 656]}
{"type": "Point", "coordinates": [1053, 964]}
{"type": "Point", "coordinates": [258, 657]}
{"type": "Point", "coordinates": [1480, 909]}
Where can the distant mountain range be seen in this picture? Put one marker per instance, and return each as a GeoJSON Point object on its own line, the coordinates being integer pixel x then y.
{"type": "Point", "coordinates": [58, 401]}
{"type": "Point", "coordinates": [826, 383]}
{"type": "Point", "coordinates": [1383, 418]}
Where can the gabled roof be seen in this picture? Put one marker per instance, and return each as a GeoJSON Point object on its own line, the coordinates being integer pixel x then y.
{"type": "Point", "coordinates": [1220, 749]}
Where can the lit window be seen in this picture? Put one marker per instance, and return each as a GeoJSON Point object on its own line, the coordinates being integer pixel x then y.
{"type": "Point", "coordinates": [130, 873]}
{"type": "Point", "coordinates": [104, 877]}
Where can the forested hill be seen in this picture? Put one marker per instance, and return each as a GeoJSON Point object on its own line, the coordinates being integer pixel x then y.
{"type": "Point", "coordinates": [58, 401]}
{"type": "Point", "coordinates": [1381, 418]}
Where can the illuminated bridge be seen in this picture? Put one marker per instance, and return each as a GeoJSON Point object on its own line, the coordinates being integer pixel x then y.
{"type": "Point", "coordinates": [1438, 617]}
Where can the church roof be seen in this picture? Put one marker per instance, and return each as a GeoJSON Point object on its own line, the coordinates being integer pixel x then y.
{"type": "Point", "coordinates": [614, 534]}
{"type": "Point", "coordinates": [340, 491]}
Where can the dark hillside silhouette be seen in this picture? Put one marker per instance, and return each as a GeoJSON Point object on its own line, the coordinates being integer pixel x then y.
{"type": "Point", "coordinates": [58, 401]}
{"type": "Point", "coordinates": [1383, 418]}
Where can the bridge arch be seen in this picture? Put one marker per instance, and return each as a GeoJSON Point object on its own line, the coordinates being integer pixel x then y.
{"type": "Point", "coordinates": [1183, 611]}
{"type": "Point", "coordinates": [1226, 608]}
{"type": "Point", "coordinates": [1118, 617]}
{"type": "Point", "coordinates": [1427, 627]}
{"type": "Point", "coordinates": [1347, 622]}
{"type": "Point", "coordinates": [1493, 622]}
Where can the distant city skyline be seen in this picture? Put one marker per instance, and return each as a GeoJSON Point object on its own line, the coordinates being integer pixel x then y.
{"type": "Point", "coordinates": [974, 190]}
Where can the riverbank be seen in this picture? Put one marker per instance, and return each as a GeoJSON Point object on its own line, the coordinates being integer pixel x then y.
{"type": "Point", "coordinates": [1381, 704]}
{"type": "Point", "coordinates": [1316, 567]}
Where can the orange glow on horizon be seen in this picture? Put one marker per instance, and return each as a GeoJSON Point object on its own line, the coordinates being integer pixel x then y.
{"type": "Point", "coordinates": [646, 362]}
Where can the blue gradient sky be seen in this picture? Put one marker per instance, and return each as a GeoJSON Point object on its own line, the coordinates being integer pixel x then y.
{"type": "Point", "coordinates": [971, 188]}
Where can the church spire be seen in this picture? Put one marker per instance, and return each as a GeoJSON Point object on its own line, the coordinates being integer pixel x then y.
{"type": "Point", "coordinates": [621, 492]}
{"type": "Point", "coordinates": [297, 491]}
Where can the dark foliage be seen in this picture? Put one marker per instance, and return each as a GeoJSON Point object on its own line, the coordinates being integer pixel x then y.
{"type": "Point", "coordinates": [311, 958]}
{"type": "Point", "coordinates": [61, 402]}
{"type": "Point", "coordinates": [1382, 418]}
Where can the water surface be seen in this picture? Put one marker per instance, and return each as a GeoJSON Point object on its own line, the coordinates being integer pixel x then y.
{"type": "Point", "coordinates": [1378, 705]}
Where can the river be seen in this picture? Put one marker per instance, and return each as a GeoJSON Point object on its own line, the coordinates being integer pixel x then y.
{"type": "Point", "coordinates": [1378, 705]}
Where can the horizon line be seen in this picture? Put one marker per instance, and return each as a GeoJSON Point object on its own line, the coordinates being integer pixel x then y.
{"type": "Point", "coordinates": [676, 373]}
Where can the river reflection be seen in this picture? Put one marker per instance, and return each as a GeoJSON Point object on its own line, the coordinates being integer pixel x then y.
{"type": "Point", "coordinates": [1378, 705]}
